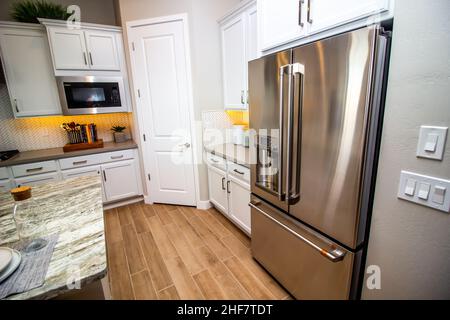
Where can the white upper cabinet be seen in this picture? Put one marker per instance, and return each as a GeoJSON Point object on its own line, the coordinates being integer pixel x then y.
{"type": "Point", "coordinates": [69, 49]}
{"type": "Point", "coordinates": [90, 47]}
{"type": "Point", "coordinates": [325, 14]}
{"type": "Point", "coordinates": [282, 22]}
{"type": "Point", "coordinates": [28, 71]}
{"type": "Point", "coordinates": [234, 63]}
{"type": "Point", "coordinates": [239, 45]}
{"type": "Point", "coordinates": [102, 50]}
{"type": "Point", "coordinates": [252, 33]}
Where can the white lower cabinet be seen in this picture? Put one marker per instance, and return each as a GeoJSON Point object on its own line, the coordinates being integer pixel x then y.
{"type": "Point", "coordinates": [120, 180]}
{"type": "Point", "coordinates": [84, 172]}
{"type": "Point", "coordinates": [239, 197]}
{"type": "Point", "coordinates": [229, 192]}
{"type": "Point", "coordinates": [217, 188]}
{"type": "Point", "coordinates": [5, 185]}
{"type": "Point", "coordinates": [38, 179]}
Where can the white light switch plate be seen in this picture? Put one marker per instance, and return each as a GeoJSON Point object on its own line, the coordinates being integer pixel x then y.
{"type": "Point", "coordinates": [438, 190]}
{"type": "Point", "coordinates": [432, 142]}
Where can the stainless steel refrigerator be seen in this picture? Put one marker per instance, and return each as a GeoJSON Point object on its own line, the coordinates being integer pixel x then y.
{"type": "Point", "coordinates": [316, 113]}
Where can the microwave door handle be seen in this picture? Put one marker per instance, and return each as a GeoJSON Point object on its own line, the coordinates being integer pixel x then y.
{"type": "Point", "coordinates": [298, 70]}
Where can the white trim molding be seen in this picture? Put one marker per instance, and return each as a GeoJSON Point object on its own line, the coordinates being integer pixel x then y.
{"type": "Point", "coordinates": [204, 205]}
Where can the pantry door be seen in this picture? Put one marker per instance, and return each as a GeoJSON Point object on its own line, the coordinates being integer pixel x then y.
{"type": "Point", "coordinates": [159, 53]}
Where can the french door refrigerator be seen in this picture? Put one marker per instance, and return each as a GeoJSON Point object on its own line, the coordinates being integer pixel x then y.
{"type": "Point", "coordinates": [316, 113]}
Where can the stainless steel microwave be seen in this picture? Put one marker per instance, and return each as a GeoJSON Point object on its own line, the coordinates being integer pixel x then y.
{"type": "Point", "coordinates": [91, 95]}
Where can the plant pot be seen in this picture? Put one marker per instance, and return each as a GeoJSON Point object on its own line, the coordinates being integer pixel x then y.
{"type": "Point", "coordinates": [120, 137]}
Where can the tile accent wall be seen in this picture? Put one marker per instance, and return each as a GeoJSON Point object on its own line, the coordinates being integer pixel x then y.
{"type": "Point", "coordinates": [214, 127]}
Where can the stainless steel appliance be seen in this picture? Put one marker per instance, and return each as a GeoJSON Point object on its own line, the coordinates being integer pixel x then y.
{"type": "Point", "coordinates": [317, 112]}
{"type": "Point", "coordinates": [91, 95]}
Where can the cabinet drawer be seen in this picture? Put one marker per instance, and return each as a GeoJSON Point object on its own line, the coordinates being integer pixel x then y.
{"type": "Point", "coordinates": [4, 173]}
{"type": "Point", "coordinates": [5, 185]}
{"type": "Point", "coordinates": [34, 168]}
{"type": "Point", "coordinates": [82, 161]}
{"type": "Point", "coordinates": [239, 172]}
{"type": "Point", "coordinates": [38, 179]}
{"type": "Point", "coordinates": [216, 161]}
{"type": "Point", "coordinates": [117, 155]}
{"type": "Point", "coordinates": [82, 172]}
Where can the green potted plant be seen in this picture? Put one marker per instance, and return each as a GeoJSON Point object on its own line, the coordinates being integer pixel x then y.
{"type": "Point", "coordinates": [30, 10]}
{"type": "Point", "coordinates": [119, 134]}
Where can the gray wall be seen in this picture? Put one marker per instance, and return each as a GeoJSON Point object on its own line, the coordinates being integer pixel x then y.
{"type": "Point", "coordinates": [205, 51]}
{"type": "Point", "coordinates": [411, 243]}
{"type": "Point", "coordinates": [94, 11]}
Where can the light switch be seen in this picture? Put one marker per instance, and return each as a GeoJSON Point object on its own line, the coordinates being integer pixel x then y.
{"type": "Point", "coordinates": [439, 194]}
{"type": "Point", "coordinates": [432, 142]}
{"type": "Point", "coordinates": [425, 190]}
{"type": "Point", "coordinates": [410, 187]}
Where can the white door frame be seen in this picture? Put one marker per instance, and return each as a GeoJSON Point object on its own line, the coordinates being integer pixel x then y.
{"type": "Point", "coordinates": [183, 17]}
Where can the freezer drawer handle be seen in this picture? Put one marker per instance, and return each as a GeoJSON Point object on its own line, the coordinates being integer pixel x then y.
{"type": "Point", "coordinates": [335, 256]}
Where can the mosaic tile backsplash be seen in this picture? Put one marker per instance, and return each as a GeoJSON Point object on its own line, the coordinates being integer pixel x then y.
{"type": "Point", "coordinates": [45, 132]}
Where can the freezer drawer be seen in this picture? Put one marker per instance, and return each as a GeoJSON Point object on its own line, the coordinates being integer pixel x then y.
{"type": "Point", "coordinates": [307, 264]}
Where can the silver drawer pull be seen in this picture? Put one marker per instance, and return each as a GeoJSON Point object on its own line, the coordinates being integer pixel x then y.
{"type": "Point", "coordinates": [117, 157]}
{"type": "Point", "coordinates": [334, 256]}
{"type": "Point", "coordinates": [239, 172]}
{"type": "Point", "coordinates": [77, 163]}
{"type": "Point", "coordinates": [214, 160]}
{"type": "Point", "coordinates": [35, 169]}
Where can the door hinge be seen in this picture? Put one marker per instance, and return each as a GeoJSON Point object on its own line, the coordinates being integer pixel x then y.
{"type": "Point", "coordinates": [144, 137]}
{"type": "Point", "coordinates": [132, 44]}
{"type": "Point", "coordinates": [149, 177]}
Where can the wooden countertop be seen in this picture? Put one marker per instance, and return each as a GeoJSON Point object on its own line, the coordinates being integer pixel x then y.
{"type": "Point", "coordinates": [58, 153]}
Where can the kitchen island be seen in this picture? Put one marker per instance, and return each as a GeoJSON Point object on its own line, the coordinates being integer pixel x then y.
{"type": "Point", "coordinates": [73, 208]}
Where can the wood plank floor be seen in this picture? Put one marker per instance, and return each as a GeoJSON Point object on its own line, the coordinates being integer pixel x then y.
{"type": "Point", "coordinates": [173, 252]}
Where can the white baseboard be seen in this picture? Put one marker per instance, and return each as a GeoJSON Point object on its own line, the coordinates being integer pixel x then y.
{"type": "Point", "coordinates": [117, 204]}
{"type": "Point", "coordinates": [147, 200]}
{"type": "Point", "coordinates": [204, 205]}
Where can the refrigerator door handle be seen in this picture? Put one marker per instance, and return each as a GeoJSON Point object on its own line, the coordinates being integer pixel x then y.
{"type": "Point", "coordinates": [293, 193]}
{"type": "Point", "coordinates": [281, 134]}
{"type": "Point", "coordinates": [335, 255]}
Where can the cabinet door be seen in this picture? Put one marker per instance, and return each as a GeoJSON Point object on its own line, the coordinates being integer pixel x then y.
{"type": "Point", "coordinates": [102, 50]}
{"type": "Point", "coordinates": [251, 33]}
{"type": "Point", "coordinates": [68, 48]}
{"type": "Point", "coordinates": [218, 189]}
{"type": "Point", "coordinates": [5, 185]}
{"type": "Point", "coordinates": [239, 209]}
{"type": "Point", "coordinates": [29, 72]}
{"type": "Point", "coordinates": [234, 62]}
{"type": "Point", "coordinates": [281, 21]}
{"type": "Point", "coordinates": [326, 14]}
{"type": "Point", "coordinates": [84, 172]}
{"type": "Point", "coordinates": [120, 180]}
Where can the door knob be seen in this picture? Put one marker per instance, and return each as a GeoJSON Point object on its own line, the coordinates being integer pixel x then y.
{"type": "Point", "coordinates": [187, 145]}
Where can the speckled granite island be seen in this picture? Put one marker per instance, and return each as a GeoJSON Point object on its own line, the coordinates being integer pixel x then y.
{"type": "Point", "coordinates": [74, 210]}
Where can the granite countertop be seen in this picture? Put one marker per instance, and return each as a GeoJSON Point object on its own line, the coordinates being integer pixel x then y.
{"type": "Point", "coordinates": [58, 153]}
{"type": "Point", "coordinates": [74, 210]}
{"type": "Point", "coordinates": [232, 152]}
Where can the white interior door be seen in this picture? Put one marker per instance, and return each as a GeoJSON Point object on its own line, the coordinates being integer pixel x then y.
{"type": "Point", "coordinates": [160, 72]}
